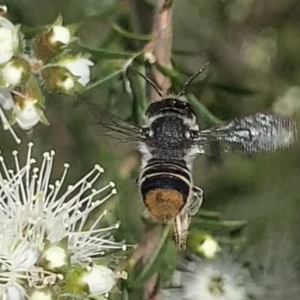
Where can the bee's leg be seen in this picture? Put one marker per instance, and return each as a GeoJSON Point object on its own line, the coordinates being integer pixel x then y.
{"type": "Point", "coordinates": [195, 202]}
{"type": "Point", "coordinates": [181, 229]}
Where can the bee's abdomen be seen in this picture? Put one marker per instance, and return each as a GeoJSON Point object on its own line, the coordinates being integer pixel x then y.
{"type": "Point", "coordinates": [165, 187]}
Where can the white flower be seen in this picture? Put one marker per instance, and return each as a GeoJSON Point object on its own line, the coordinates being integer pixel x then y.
{"type": "Point", "coordinates": [12, 74]}
{"type": "Point", "coordinates": [54, 215]}
{"type": "Point", "coordinates": [17, 259]}
{"type": "Point", "coordinates": [27, 115]}
{"type": "Point", "coordinates": [100, 279]}
{"type": "Point", "coordinates": [40, 223]}
{"type": "Point", "coordinates": [276, 268]}
{"type": "Point", "coordinates": [222, 279]}
{"type": "Point", "coordinates": [9, 40]}
{"type": "Point", "coordinates": [78, 66]}
{"type": "Point", "coordinates": [60, 34]}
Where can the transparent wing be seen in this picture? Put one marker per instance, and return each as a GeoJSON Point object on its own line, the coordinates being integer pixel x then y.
{"type": "Point", "coordinates": [261, 132]}
{"type": "Point", "coordinates": [119, 129]}
{"type": "Point", "coordinates": [112, 126]}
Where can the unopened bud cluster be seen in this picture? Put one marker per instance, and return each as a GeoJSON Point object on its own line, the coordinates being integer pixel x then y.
{"type": "Point", "coordinates": [28, 67]}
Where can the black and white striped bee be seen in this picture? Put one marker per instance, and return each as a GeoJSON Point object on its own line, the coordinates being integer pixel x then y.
{"type": "Point", "coordinates": [170, 139]}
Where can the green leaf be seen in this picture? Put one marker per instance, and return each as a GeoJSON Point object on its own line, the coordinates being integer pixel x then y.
{"type": "Point", "coordinates": [201, 111]}
{"type": "Point", "coordinates": [131, 35]}
{"type": "Point", "coordinates": [215, 215]}
{"type": "Point", "coordinates": [140, 100]}
{"type": "Point", "coordinates": [169, 263]}
{"type": "Point", "coordinates": [122, 69]}
{"type": "Point", "coordinates": [104, 80]}
{"type": "Point", "coordinates": [229, 241]}
{"type": "Point", "coordinates": [218, 226]}
{"type": "Point", "coordinates": [106, 54]}
{"type": "Point", "coordinates": [234, 89]}
{"type": "Point", "coordinates": [155, 261]}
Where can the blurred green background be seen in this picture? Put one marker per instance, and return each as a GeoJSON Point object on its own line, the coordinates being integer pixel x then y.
{"type": "Point", "coordinates": [253, 47]}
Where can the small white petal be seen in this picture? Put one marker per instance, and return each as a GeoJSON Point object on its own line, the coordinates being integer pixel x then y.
{"type": "Point", "coordinates": [27, 116]}
{"type": "Point", "coordinates": [14, 292]}
{"type": "Point", "coordinates": [8, 40]}
{"type": "Point", "coordinates": [60, 34]}
{"type": "Point", "coordinates": [3, 8]}
{"type": "Point", "coordinates": [6, 99]}
{"type": "Point", "coordinates": [25, 256]}
{"type": "Point", "coordinates": [79, 67]}
{"type": "Point", "coordinates": [100, 280]}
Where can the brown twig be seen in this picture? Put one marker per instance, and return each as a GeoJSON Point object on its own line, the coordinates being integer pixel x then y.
{"type": "Point", "coordinates": [159, 49]}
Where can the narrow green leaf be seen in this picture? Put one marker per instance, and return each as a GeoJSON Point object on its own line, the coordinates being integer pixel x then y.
{"type": "Point", "coordinates": [169, 263]}
{"type": "Point", "coordinates": [202, 111]}
{"type": "Point", "coordinates": [233, 89]}
{"type": "Point", "coordinates": [140, 100]}
{"type": "Point", "coordinates": [106, 54]}
{"type": "Point", "coordinates": [232, 241]}
{"type": "Point", "coordinates": [104, 80]}
{"type": "Point", "coordinates": [151, 266]}
{"type": "Point", "coordinates": [215, 215]}
{"type": "Point", "coordinates": [131, 35]}
{"type": "Point", "coordinates": [218, 226]}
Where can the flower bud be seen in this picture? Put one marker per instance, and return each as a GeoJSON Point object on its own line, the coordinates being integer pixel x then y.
{"type": "Point", "coordinates": [9, 40]}
{"type": "Point", "coordinates": [59, 79]}
{"type": "Point", "coordinates": [16, 71]}
{"type": "Point", "coordinates": [78, 66]}
{"type": "Point", "coordinates": [27, 114]}
{"type": "Point", "coordinates": [59, 34]}
{"type": "Point", "coordinates": [55, 259]}
{"type": "Point", "coordinates": [53, 40]}
{"type": "Point", "coordinates": [93, 279]}
{"type": "Point", "coordinates": [100, 279]}
{"type": "Point", "coordinates": [203, 244]}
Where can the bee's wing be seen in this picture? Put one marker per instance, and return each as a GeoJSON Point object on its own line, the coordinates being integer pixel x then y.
{"type": "Point", "coordinates": [112, 126]}
{"type": "Point", "coordinates": [261, 132]}
{"type": "Point", "coordinates": [119, 130]}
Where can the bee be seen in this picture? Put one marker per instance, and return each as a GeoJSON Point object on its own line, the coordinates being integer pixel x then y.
{"type": "Point", "coordinates": [170, 139]}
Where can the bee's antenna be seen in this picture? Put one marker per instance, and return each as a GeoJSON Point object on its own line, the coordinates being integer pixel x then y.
{"type": "Point", "coordinates": [148, 80]}
{"type": "Point", "coordinates": [191, 79]}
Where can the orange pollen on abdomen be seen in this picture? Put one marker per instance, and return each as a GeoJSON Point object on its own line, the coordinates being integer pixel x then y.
{"type": "Point", "coordinates": [164, 204]}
